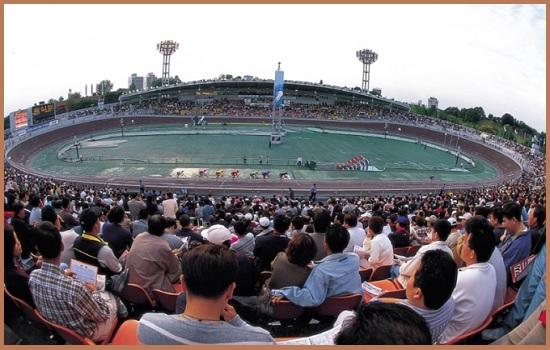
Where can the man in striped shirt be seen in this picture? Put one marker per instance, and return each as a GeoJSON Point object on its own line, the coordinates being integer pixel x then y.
{"type": "Point", "coordinates": [429, 290]}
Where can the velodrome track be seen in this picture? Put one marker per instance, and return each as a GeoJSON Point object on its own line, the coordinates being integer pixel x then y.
{"type": "Point", "coordinates": [20, 157]}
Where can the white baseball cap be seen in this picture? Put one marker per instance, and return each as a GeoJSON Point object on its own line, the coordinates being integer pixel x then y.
{"type": "Point", "coordinates": [264, 221]}
{"type": "Point", "coordinates": [216, 234]}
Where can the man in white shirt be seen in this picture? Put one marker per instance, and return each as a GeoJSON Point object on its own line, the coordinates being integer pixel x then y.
{"type": "Point", "coordinates": [442, 229]}
{"type": "Point", "coordinates": [381, 252]}
{"type": "Point", "coordinates": [476, 284]}
{"type": "Point", "coordinates": [170, 206]}
{"type": "Point", "coordinates": [356, 233]}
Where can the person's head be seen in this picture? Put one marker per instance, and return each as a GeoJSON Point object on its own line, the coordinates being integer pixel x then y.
{"type": "Point", "coordinates": [479, 241]}
{"type": "Point", "coordinates": [217, 234]}
{"type": "Point", "coordinates": [240, 227]}
{"type": "Point", "coordinates": [321, 221]}
{"type": "Point", "coordinates": [143, 214]}
{"type": "Point", "coordinates": [49, 214]}
{"type": "Point", "coordinates": [89, 221]}
{"type": "Point", "coordinates": [36, 201]}
{"type": "Point", "coordinates": [185, 220]}
{"type": "Point", "coordinates": [443, 229]}
{"type": "Point", "coordinates": [537, 216]}
{"type": "Point", "coordinates": [379, 323]}
{"type": "Point", "coordinates": [301, 249]}
{"type": "Point", "coordinates": [171, 225]}
{"type": "Point", "coordinates": [336, 238]}
{"type": "Point", "coordinates": [338, 218]}
{"type": "Point", "coordinates": [511, 218]}
{"type": "Point", "coordinates": [434, 279]}
{"type": "Point", "coordinates": [297, 222]}
{"type": "Point", "coordinates": [454, 224]}
{"type": "Point", "coordinates": [281, 223]}
{"type": "Point", "coordinates": [420, 221]}
{"type": "Point", "coordinates": [12, 247]}
{"type": "Point", "coordinates": [376, 224]}
{"type": "Point", "coordinates": [350, 220]}
{"type": "Point", "coordinates": [48, 240]}
{"type": "Point", "coordinates": [66, 203]}
{"type": "Point", "coordinates": [495, 215]}
{"type": "Point", "coordinates": [156, 225]}
{"type": "Point", "coordinates": [19, 210]}
{"type": "Point", "coordinates": [116, 215]}
{"type": "Point", "coordinates": [401, 222]}
{"type": "Point", "coordinates": [209, 271]}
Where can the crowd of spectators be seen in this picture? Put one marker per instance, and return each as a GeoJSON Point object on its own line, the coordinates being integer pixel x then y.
{"type": "Point", "coordinates": [258, 234]}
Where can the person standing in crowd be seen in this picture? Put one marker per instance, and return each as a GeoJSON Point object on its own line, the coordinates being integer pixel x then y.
{"type": "Point", "coordinates": [170, 206]}
{"type": "Point", "coordinates": [313, 193]}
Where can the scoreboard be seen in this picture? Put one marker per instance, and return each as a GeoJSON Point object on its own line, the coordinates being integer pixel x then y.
{"type": "Point", "coordinates": [20, 119]}
{"type": "Point", "coordinates": [43, 113]}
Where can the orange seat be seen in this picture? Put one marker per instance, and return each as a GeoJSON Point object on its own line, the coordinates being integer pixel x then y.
{"type": "Point", "coordinates": [71, 336]}
{"type": "Point", "coordinates": [27, 309]}
{"type": "Point", "coordinates": [333, 306]}
{"type": "Point", "coordinates": [380, 273]}
{"type": "Point", "coordinates": [286, 310]}
{"type": "Point", "coordinates": [401, 251]}
{"type": "Point", "coordinates": [166, 300]}
{"type": "Point", "coordinates": [499, 313]}
{"type": "Point", "coordinates": [412, 250]}
{"type": "Point", "coordinates": [127, 333]}
{"type": "Point", "coordinates": [365, 274]}
{"type": "Point", "coordinates": [137, 296]}
{"type": "Point", "coordinates": [464, 338]}
{"type": "Point", "coordinates": [264, 276]}
{"type": "Point", "coordinates": [398, 294]}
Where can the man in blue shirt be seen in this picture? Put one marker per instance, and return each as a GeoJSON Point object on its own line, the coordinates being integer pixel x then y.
{"type": "Point", "coordinates": [336, 274]}
{"type": "Point", "coordinates": [516, 244]}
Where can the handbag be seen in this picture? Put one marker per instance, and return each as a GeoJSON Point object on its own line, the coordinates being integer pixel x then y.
{"type": "Point", "coordinates": [117, 283]}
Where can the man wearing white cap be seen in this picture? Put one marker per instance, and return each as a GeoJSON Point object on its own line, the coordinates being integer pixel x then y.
{"type": "Point", "coordinates": [453, 237]}
{"type": "Point", "coordinates": [268, 246]}
{"type": "Point", "coordinates": [264, 228]}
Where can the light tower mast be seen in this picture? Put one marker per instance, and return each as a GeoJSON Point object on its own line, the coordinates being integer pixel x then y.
{"type": "Point", "coordinates": [367, 57]}
{"type": "Point", "coordinates": [166, 48]}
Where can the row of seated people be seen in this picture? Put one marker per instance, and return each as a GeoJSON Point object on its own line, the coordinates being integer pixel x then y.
{"type": "Point", "coordinates": [220, 235]}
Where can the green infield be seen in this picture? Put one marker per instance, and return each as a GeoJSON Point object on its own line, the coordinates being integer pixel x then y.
{"type": "Point", "coordinates": [169, 151]}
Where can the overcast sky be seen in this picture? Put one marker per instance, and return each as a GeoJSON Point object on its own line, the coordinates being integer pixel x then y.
{"type": "Point", "coordinates": [492, 56]}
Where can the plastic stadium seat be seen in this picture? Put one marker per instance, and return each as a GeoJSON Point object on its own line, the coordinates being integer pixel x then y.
{"type": "Point", "coordinates": [365, 274]}
{"type": "Point", "coordinates": [464, 338]}
{"type": "Point", "coordinates": [71, 336]}
{"type": "Point", "coordinates": [127, 333]}
{"type": "Point", "coordinates": [137, 296]}
{"type": "Point", "coordinates": [380, 273]}
{"type": "Point", "coordinates": [27, 309]}
{"type": "Point", "coordinates": [398, 294]}
{"type": "Point", "coordinates": [333, 306]}
{"type": "Point", "coordinates": [166, 300]}
{"type": "Point", "coordinates": [401, 250]}
{"type": "Point", "coordinates": [412, 250]}
{"type": "Point", "coordinates": [286, 310]}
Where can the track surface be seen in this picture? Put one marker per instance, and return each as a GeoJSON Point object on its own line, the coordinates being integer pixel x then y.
{"type": "Point", "coordinates": [21, 155]}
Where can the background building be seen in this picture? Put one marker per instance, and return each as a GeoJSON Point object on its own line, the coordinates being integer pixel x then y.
{"type": "Point", "coordinates": [135, 82]}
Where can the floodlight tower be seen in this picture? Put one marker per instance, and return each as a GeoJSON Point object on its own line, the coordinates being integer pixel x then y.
{"type": "Point", "coordinates": [166, 48]}
{"type": "Point", "coordinates": [367, 57]}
